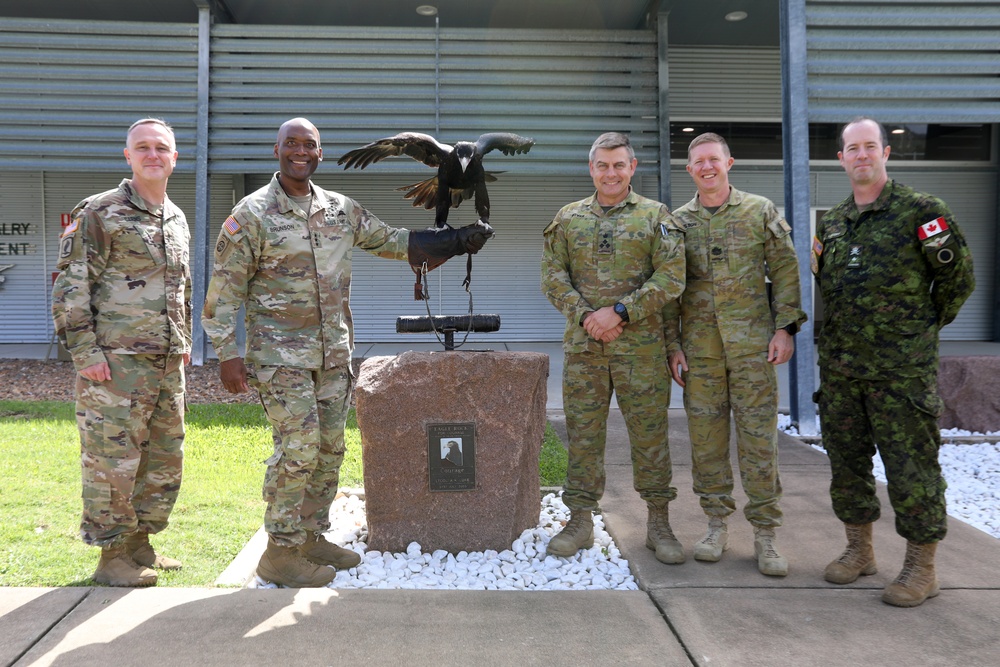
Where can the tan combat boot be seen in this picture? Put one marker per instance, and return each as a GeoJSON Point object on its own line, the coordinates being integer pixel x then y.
{"type": "Point", "coordinates": [917, 581]}
{"type": "Point", "coordinates": [716, 540]}
{"type": "Point", "coordinates": [858, 558]}
{"type": "Point", "coordinates": [285, 566]}
{"type": "Point", "coordinates": [141, 551]}
{"type": "Point", "coordinates": [769, 561]}
{"type": "Point", "coordinates": [578, 534]}
{"type": "Point", "coordinates": [117, 568]}
{"type": "Point", "coordinates": [660, 537]}
{"type": "Point", "coordinates": [317, 550]}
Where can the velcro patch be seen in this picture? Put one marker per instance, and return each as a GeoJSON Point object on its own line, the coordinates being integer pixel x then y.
{"type": "Point", "coordinates": [231, 226]}
{"type": "Point", "coordinates": [932, 228]}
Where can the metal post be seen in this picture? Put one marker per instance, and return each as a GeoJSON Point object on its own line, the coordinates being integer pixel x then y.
{"type": "Point", "coordinates": [200, 262]}
{"type": "Point", "coordinates": [662, 44]}
{"type": "Point", "coordinates": [795, 147]}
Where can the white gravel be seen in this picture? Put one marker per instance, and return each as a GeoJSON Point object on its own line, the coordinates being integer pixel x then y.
{"type": "Point", "coordinates": [971, 470]}
{"type": "Point", "coordinates": [973, 495]}
{"type": "Point", "coordinates": [525, 566]}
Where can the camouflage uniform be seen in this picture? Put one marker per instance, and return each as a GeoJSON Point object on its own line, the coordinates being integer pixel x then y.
{"type": "Point", "coordinates": [886, 293]}
{"type": "Point", "coordinates": [634, 254]}
{"type": "Point", "coordinates": [293, 273]}
{"type": "Point", "coordinates": [123, 297]}
{"type": "Point", "coordinates": [724, 322]}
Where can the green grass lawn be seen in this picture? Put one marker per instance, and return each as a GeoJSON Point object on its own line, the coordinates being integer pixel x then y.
{"type": "Point", "coordinates": [218, 510]}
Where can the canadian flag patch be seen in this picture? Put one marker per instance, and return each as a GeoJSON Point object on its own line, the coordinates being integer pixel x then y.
{"type": "Point", "coordinates": [932, 228]}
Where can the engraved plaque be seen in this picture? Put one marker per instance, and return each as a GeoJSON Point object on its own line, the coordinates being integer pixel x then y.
{"type": "Point", "coordinates": [451, 455]}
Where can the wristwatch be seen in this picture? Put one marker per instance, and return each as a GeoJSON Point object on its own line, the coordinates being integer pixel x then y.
{"type": "Point", "coordinates": [621, 311]}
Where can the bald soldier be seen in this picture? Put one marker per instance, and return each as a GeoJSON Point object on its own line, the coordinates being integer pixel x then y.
{"type": "Point", "coordinates": [285, 254]}
{"type": "Point", "coordinates": [725, 335]}
{"type": "Point", "coordinates": [122, 307]}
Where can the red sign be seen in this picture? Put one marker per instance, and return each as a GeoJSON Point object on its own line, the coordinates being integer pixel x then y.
{"type": "Point", "coordinates": [64, 219]}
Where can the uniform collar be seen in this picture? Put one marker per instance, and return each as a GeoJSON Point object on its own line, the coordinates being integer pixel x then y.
{"type": "Point", "coordinates": [167, 211]}
{"type": "Point", "coordinates": [285, 205]}
{"type": "Point", "coordinates": [631, 199]}
{"type": "Point", "coordinates": [736, 198]}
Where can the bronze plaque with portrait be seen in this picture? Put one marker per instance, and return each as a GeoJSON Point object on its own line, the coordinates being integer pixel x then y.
{"type": "Point", "coordinates": [451, 455]}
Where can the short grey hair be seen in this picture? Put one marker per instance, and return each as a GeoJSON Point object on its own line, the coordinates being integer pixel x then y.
{"type": "Point", "coordinates": [611, 141]}
{"type": "Point", "coordinates": [152, 121]}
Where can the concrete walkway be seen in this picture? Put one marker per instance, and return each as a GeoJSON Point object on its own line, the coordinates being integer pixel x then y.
{"type": "Point", "coordinates": [696, 613]}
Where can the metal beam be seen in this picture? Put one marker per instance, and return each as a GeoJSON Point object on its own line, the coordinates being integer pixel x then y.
{"type": "Point", "coordinates": [200, 262]}
{"type": "Point", "coordinates": [663, 117]}
{"type": "Point", "coordinates": [795, 149]}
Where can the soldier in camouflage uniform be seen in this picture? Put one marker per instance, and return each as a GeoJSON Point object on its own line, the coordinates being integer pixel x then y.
{"type": "Point", "coordinates": [122, 307]}
{"type": "Point", "coordinates": [724, 336]}
{"type": "Point", "coordinates": [609, 264]}
{"type": "Point", "coordinates": [893, 268]}
{"type": "Point", "coordinates": [285, 253]}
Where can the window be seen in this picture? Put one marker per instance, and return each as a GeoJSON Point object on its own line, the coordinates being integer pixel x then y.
{"type": "Point", "coordinates": [910, 142]}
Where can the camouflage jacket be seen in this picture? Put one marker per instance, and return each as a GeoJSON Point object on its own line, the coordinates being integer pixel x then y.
{"type": "Point", "coordinates": [890, 278]}
{"type": "Point", "coordinates": [634, 254]}
{"type": "Point", "coordinates": [293, 273]}
{"type": "Point", "coordinates": [124, 284]}
{"type": "Point", "coordinates": [725, 302]}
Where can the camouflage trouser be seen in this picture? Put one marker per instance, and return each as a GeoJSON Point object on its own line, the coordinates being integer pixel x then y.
{"type": "Point", "coordinates": [307, 409]}
{"type": "Point", "coordinates": [899, 417]}
{"type": "Point", "coordinates": [642, 386]}
{"type": "Point", "coordinates": [132, 446]}
{"type": "Point", "coordinates": [747, 386]}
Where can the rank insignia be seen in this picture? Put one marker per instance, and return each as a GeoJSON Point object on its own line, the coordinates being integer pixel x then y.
{"type": "Point", "coordinates": [854, 256]}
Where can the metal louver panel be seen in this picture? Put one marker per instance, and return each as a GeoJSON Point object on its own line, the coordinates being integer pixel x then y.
{"type": "Point", "coordinates": [720, 83]}
{"type": "Point", "coordinates": [903, 61]}
{"type": "Point", "coordinates": [360, 84]}
{"type": "Point", "coordinates": [70, 89]}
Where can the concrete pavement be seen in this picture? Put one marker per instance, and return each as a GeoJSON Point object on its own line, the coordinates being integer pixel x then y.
{"type": "Point", "coordinates": [724, 613]}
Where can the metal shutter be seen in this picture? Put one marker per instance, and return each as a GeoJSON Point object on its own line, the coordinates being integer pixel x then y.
{"type": "Point", "coordinates": [70, 89]}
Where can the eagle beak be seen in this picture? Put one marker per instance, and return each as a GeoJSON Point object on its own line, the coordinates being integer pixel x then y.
{"type": "Point", "coordinates": [465, 162]}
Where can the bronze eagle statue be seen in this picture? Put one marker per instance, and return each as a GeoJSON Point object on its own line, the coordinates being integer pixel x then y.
{"type": "Point", "coordinates": [460, 168]}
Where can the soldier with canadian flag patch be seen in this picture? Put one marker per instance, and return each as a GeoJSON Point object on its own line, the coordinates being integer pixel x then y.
{"type": "Point", "coordinates": [893, 268]}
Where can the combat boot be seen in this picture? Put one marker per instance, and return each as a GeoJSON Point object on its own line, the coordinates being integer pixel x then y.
{"type": "Point", "coordinates": [769, 561]}
{"type": "Point", "coordinates": [141, 551]}
{"type": "Point", "coordinates": [578, 534]}
{"type": "Point", "coordinates": [116, 568]}
{"type": "Point", "coordinates": [317, 550]}
{"type": "Point", "coordinates": [287, 567]}
{"type": "Point", "coordinates": [917, 581]}
{"type": "Point", "coordinates": [858, 558]}
{"type": "Point", "coordinates": [660, 537]}
{"type": "Point", "coordinates": [716, 540]}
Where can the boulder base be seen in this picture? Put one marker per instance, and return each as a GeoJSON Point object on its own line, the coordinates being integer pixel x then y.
{"type": "Point", "coordinates": [970, 388]}
{"type": "Point", "coordinates": [503, 394]}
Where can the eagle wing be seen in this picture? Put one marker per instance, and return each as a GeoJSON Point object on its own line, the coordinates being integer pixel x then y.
{"type": "Point", "coordinates": [505, 142]}
{"type": "Point", "coordinates": [421, 147]}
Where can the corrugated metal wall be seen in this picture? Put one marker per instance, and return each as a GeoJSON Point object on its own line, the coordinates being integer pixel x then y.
{"type": "Point", "coordinates": [903, 61]}
{"type": "Point", "coordinates": [724, 84]}
{"type": "Point", "coordinates": [69, 89]}
{"type": "Point", "coordinates": [562, 88]}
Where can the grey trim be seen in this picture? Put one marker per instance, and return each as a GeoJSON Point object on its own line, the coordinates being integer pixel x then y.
{"type": "Point", "coordinates": [795, 148]}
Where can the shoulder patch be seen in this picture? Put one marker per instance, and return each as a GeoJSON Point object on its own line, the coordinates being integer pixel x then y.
{"type": "Point", "coordinates": [932, 228]}
{"type": "Point", "coordinates": [231, 226]}
{"type": "Point", "coordinates": [552, 225]}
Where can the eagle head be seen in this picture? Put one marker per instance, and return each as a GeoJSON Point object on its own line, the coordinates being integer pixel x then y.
{"type": "Point", "coordinates": [464, 151]}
